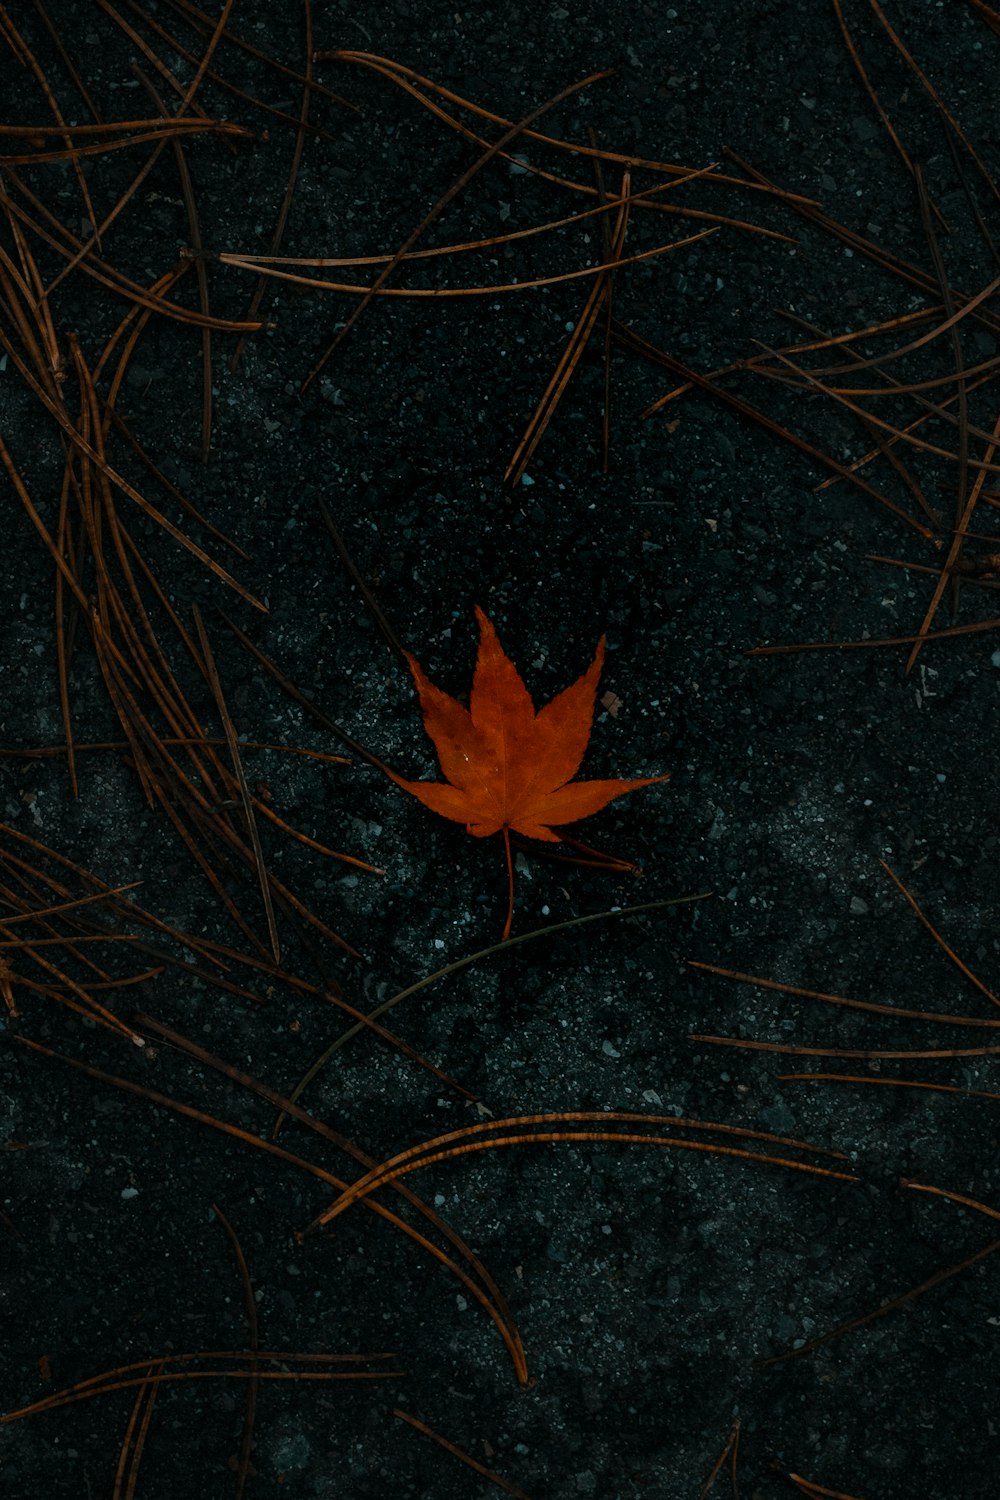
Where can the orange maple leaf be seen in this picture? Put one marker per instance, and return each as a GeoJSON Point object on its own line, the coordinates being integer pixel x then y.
{"type": "Point", "coordinates": [509, 769]}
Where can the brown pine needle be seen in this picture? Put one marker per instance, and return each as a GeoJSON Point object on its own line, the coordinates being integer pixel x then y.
{"type": "Point", "coordinates": [730, 1452]}
{"type": "Point", "coordinates": [253, 1343]}
{"type": "Point", "coordinates": [949, 952]}
{"type": "Point", "coordinates": [449, 1447]}
{"type": "Point", "coordinates": [245, 797]}
{"type": "Point", "coordinates": [819, 1491]}
{"type": "Point", "coordinates": [881, 1311]}
{"type": "Point", "coordinates": [897, 1012]}
{"type": "Point", "coordinates": [599, 298]}
{"type": "Point", "coordinates": [506, 945]}
{"type": "Point", "coordinates": [896, 1083]}
{"type": "Point", "coordinates": [442, 1148]}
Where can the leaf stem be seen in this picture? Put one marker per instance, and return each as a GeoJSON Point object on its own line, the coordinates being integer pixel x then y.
{"type": "Point", "coordinates": [510, 884]}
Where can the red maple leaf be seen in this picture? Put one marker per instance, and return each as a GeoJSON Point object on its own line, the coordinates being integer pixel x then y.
{"type": "Point", "coordinates": [509, 769]}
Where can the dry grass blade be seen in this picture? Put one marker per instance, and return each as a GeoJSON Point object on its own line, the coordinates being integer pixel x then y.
{"type": "Point", "coordinates": [472, 1463]}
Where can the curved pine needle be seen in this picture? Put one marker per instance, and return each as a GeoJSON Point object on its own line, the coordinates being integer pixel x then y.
{"type": "Point", "coordinates": [496, 1309]}
{"type": "Point", "coordinates": [882, 1310]}
{"type": "Point", "coordinates": [731, 1452]}
{"type": "Point", "coordinates": [74, 153]}
{"type": "Point", "coordinates": [962, 1198]}
{"type": "Point", "coordinates": [21, 49]}
{"type": "Point", "coordinates": [600, 297]}
{"type": "Point", "coordinates": [245, 263]}
{"type": "Point", "coordinates": [929, 89]}
{"type": "Point", "coordinates": [105, 274]}
{"type": "Point", "coordinates": [215, 683]}
{"type": "Point", "coordinates": [302, 128]}
{"type": "Point", "coordinates": [130, 1457]}
{"type": "Point", "coordinates": [170, 1376]}
{"type": "Point", "coordinates": [199, 18]}
{"type": "Point", "coordinates": [632, 340]}
{"type": "Point", "coordinates": [504, 946]}
{"type": "Point", "coordinates": [122, 484]}
{"type": "Point", "coordinates": [95, 1384]}
{"type": "Point", "coordinates": [430, 1152]}
{"type": "Point", "coordinates": [44, 752]}
{"type": "Point", "coordinates": [809, 381]}
{"type": "Point", "coordinates": [398, 73]}
{"type": "Point", "coordinates": [870, 90]}
{"type": "Point", "coordinates": [157, 125]}
{"type": "Point", "coordinates": [753, 1046]}
{"type": "Point", "coordinates": [877, 1007]}
{"type": "Point", "coordinates": [498, 241]}
{"type": "Point", "coordinates": [219, 80]}
{"type": "Point", "coordinates": [429, 218]}
{"type": "Point", "coordinates": [197, 247]}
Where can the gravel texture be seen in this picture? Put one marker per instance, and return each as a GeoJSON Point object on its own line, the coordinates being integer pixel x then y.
{"type": "Point", "coordinates": [647, 1282]}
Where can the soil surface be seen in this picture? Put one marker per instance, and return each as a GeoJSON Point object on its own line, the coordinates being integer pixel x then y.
{"type": "Point", "coordinates": [650, 1283]}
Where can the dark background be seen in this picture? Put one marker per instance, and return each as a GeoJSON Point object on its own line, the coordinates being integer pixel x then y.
{"type": "Point", "coordinates": [644, 1281]}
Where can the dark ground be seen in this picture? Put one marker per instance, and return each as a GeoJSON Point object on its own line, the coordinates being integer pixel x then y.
{"type": "Point", "coordinates": [645, 1282]}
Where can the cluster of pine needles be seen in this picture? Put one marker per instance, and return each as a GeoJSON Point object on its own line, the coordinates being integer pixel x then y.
{"type": "Point", "coordinates": [70, 939]}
